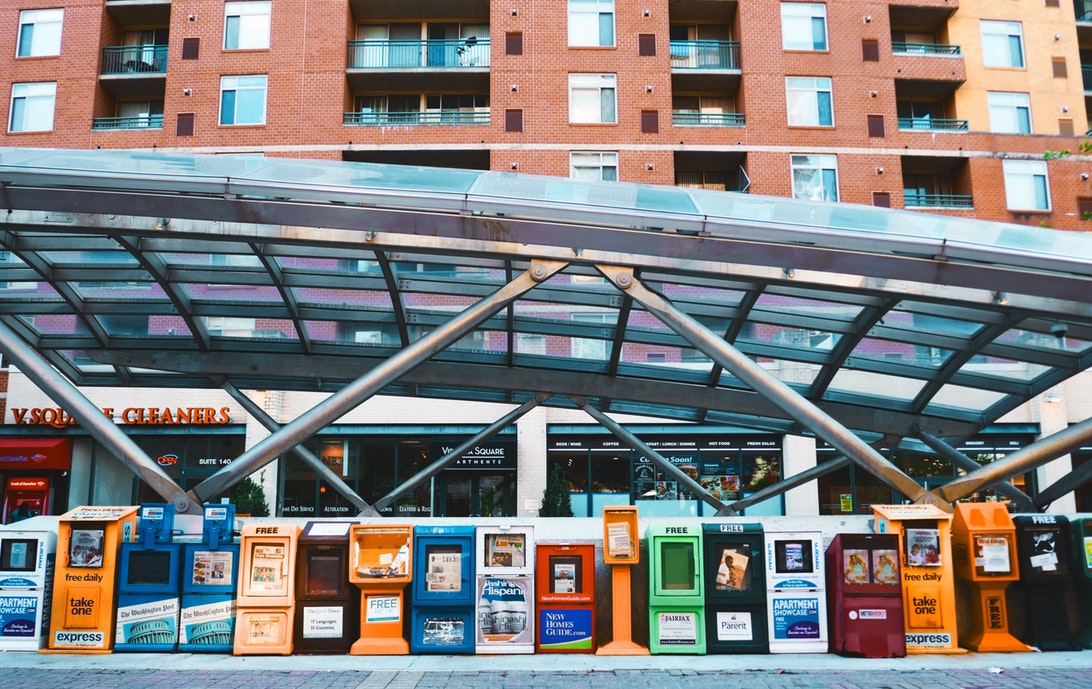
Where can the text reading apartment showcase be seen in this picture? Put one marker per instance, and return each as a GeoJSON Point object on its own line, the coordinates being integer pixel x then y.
{"type": "Point", "coordinates": [965, 108]}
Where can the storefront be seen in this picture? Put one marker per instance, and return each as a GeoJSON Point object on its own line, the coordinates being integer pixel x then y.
{"type": "Point", "coordinates": [851, 490]}
{"type": "Point", "coordinates": [601, 471]}
{"type": "Point", "coordinates": [481, 483]}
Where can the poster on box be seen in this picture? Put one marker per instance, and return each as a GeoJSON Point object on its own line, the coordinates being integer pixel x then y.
{"type": "Point", "coordinates": [85, 548]}
{"type": "Point", "coordinates": [443, 631]}
{"type": "Point", "coordinates": [733, 571]}
{"type": "Point", "coordinates": [18, 616]}
{"type": "Point", "coordinates": [445, 572]}
{"type": "Point", "coordinates": [885, 566]}
{"type": "Point", "coordinates": [213, 567]}
{"type": "Point", "coordinates": [795, 618]}
{"type": "Point", "coordinates": [677, 628]}
{"type": "Point", "coordinates": [505, 550]}
{"type": "Point", "coordinates": [992, 556]}
{"type": "Point", "coordinates": [503, 605]}
{"type": "Point", "coordinates": [566, 629]}
{"type": "Point", "coordinates": [923, 547]}
{"type": "Point", "coordinates": [855, 566]}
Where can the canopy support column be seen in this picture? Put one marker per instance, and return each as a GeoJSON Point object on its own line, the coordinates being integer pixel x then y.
{"type": "Point", "coordinates": [371, 383]}
{"type": "Point", "coordinates": [91, 419]}
{"type": "Point", "coordinates": [733, 360]}
{"type": "Point", "coordinates": [1024, 459]}
{"type": "Point", "coordinates": [448, 459]}
{"type": "Point", "coordinates": [659, 460]}
{"type": "Point", "coordinates": [324, 472]}
{"type": "Point", "coordinates": [1018, 497]}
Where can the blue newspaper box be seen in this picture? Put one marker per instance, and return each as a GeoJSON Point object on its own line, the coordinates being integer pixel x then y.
{"type": "Point", "coordinates": [210, 571]}
{"type": "Point", "coordinates": [443, 596]}
{"type": "Point", "coordinates": [149, 588]}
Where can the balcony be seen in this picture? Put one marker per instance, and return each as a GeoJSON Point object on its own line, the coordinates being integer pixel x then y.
{"type": "Point", "coordinates": [425, 64]}
{"type": "Point", "coordinates": [134, 70]}
{"type": "Point", "coordinates": [719, 55]}
{"type": "Point", "coordinates": [909, 48]}
{"type": "Point", "coordinates": [932, 124]}
{"type": "Point", "coordinates": [914, 199]}
{"type": "Point", "coordinates": [1086, 77]}
{"type": "Point", "coordinates": [130, 122]}
{"type": "Point", "coordinates": [708, 119]}
{"type": "Point", "coordinates": [1083, 10]}
{"type": "Point", "coordinates": [452, 118]}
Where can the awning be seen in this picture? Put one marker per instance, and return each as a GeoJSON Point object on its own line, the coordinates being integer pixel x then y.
{"type": "Point", "coordinates": [34, 454]}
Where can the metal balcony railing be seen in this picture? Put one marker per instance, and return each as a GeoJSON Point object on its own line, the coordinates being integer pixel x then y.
{"type": "Point", "coordinates": [933, 124]}
{"type": "Point", "coordinates": [134, 59]}
{"type": "Point", "coordinates": [439, 54]}
{"type": "Point", "coordinates": [1083, 10]}
{"type": "Point", "coordinates": [128, 122]}
{"type": "Point", "coordinates": [446, 118]}
{"type": "Point", "coordinates": [708, 119]}
{"type": "Point", "coordinates": [924, 48]}
{"type": "Point", "coordinates": [705, 54]}
{"type": "Point", "coordinates": [913, 199]}
{"type": "Point", "coordinates": [1086, 76]}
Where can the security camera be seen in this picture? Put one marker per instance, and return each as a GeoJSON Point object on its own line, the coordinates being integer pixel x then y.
{"type": "Point", "coordinates": [1059, 330]}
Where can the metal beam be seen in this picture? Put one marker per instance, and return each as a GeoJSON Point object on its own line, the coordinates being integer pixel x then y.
{"type": "Point", "coordinates": [1025, 459]}
{"type": "Point", "coordinates": [794, 481]}
{"type": "Point", "coordinates": [762, 382]}
{"type": "Point", "coordinates": [659, 460]}
{"type": "Point", "coordinates": [359, 390]}
{"type": "Point", "coordinates": [1018, 497]}
{"type": "Point", "coordinates": [1063, 486]}
{"type": "Point", "coordinates": [98, 425]}
{"type": "Point", "coordinates": [324, 472]}
{"type": "Point", "coordinates": [445, 461]}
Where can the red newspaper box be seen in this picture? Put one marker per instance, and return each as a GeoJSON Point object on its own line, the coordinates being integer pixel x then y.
{"type": "Point", "coordinates": [864, 596]}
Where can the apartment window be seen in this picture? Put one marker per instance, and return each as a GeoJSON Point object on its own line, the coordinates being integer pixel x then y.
{"type": "Point", "coordinates": [815, 177]}
{"type": "Point", "coordinates": [32, 107]}
{"type": "Point", "coordinates": [809, 101]}
{"type": "Point", "coordinates": [1002, 44]}
{"type": "Point", "coordinates": [591, 22]}
{"type": "Point", "coordinates": [592, 166]}
{"type": "Point", "coordinates": [803, 26]}
{"type": "Point", "coordinates": [1010, 113]}
{"type": "Point", "coordinates": [242, 99]}
{"type": "Point", "coordinates": [39, 33]}
{"type": "Point", "coordinates": [246, 25]}
{"type": "Point", "coordinates": [592, 98]}
{"type": "Point", "coordinates": [1026, 186]}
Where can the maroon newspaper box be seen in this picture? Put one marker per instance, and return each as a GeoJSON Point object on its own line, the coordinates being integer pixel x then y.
{"type": "Point", "coordinates": [864, 596]}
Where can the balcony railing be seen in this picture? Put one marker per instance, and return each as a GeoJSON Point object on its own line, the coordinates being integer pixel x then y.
{"type": "Point", "coordinates": [129, 122]}
{"type": "Point", "coordinates": [913, 199]}
{"type": "Point", "coordinates": [924, 48]}
{"type": "Point", "coordinates": [705, 54]}
{"type": "Point", "coordinates": [1083, 9]}
{"type": "Point", "coordinates": [1086, 76]}
{"type": "Point", "coordinates": [444, 118]}
{"type": "Point", "coordinates": [134, 59]}
{"type": "Point", "coordinates": [708, 119]}
{"type": "Point", "coordinates": [933, 124]}
{"type": "Point", "coordinates": [445, 54]}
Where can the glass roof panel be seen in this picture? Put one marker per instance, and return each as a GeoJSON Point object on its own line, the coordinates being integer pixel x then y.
{"type": "Point", "coordinates": [231, 293]}
{"type": "Point", "coordinates": [811, 307]}
{"type": "Point", "coordinates": [250, 328]}
{"type": "Point", "coordinates": [686, 358]}
{"type": "Point", "coordinates": [901, 352]}
{"type": "Point", "coordinates": [127, 291]}
{"type": "Point", "coordinates": [795, 338]}
{"type": "Point", "coordinates": [877, 385]}
{"type": "Point", "coordinates": [57, 324]}
{"type": "Point", "coordinates": [340, 332]}
{"type": "Point", "coordinates": [701, 293]}
{"type": "Point", "coordinates": [1044, 341]}
{"type": "Point", "coordinates": [997, 367]}
{"type": "Point", "coordinates": [919, 317]}
{"type": "Point", "coordinates": [28, 291]}
{"type": "Point", "coordinates": [962, 397]}
{"type": "Point", "coordinates": [372, 300]}
{"type": "Point", "coordinates": [118, 257]}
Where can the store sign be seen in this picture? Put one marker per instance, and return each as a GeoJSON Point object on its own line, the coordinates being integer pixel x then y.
{"type": "Point", "coordinates": [795, 618]}
{"type": "Point", "coordinates": [488, 457]}
{"type": "Point", "coordinates": [130, 416]}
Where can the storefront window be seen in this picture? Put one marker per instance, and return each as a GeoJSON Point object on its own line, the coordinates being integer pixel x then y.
{"type": "Point", "coordinates": [188, 459]}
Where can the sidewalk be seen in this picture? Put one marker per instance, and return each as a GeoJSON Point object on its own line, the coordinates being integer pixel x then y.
{"type": "Point", "coordinates": [542, 671]}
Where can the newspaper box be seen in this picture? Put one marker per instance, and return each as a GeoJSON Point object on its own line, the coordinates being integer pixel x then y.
{"type": "Point", "coordinates": [210, 571]}
{"type": "Point", "coordinates": [984, 550]}
{"type": "Point", "coordinates": [735, 588]}
{"type": "Point", "coordinates": [381, 567]}
{"type": "Point", "coordinates": [84, 590]}
{"type": "Point", "coordinates": [442, 611]}
{"type": "Point", "coordinates": [327, 605]}
{"type": "Point", "coordinates": [1046, 582]}
{"type": "Point", "coordinates": [676, 594]}
{"type": "Point", "coordinates": [149, 588]}
{"type": "Point", "coordinates": [566, 598]}
{"type": "Point", "coordinates": [1082, 545]}
{"type": "Point", "coordinates": [864, 596]}
{"type": "Point", "coordinates": [621, 550]}
{"type": "Point", "coordinates": [505, 591]}
{"type": "Point", "coordinates": [27, 558]}
{"type": "Point", "coordinates": [266, 605]}
{"type": "Point", "coordinates": [796, 595]}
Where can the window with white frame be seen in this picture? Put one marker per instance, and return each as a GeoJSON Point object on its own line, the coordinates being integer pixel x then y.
{"type": "Point", "coordinates": [39, 33]}
{"type": "Point", "coordinates": [32, 107]}
{"type": "Point", "coordinates": [591, 22]}
{"type": "Point", "coordinates": [815, 177]}
{"type": "Point", "coordinates": [592, 98]}
{"type": "Point", "coordinates": [246, 25]}
{"type": "Point", "coordinates": [593, 166]}
{"type": "Point", "coordinates": [1002, 44]}
{"type": "Point", "coordinates": [242, 99]}
{"type": "Point", "coordinates": [587, 347]}
{"type": "Point", "coordinates": [1010, 113]}
{"type": "Point", "coordinates": [1026, 187]}
{"type": "Point", "coordinates": [809, 101]}
{"type": "Point", "coordinates": [803, 26]}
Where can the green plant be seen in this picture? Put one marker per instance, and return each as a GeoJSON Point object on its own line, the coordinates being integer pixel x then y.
{"type": "Point", "coordinates": [249, 498]}
{"type": "Point", "coordinates": [555, 497]}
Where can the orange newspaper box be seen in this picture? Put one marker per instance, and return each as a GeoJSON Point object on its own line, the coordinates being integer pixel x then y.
{"type": "Point", "coordinates": [621, 550]}
{"type": "Point", "coordinates": [928, 585]}
{"type": "Point", "coordinates": [984, 550]}
{"type": "Point", "coordinates": [266, 604]}
{"type": "Point", "coordinates": [381, 564]}
{"type": "Point", "coordinates": [84, 591]}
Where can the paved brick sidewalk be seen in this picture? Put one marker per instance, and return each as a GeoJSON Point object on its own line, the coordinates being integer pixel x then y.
{"type": "Point", "coordinates": [925, 678]}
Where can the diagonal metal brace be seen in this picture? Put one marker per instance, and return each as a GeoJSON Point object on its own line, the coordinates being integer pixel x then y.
{"type": "Point", "coordinates": [1018, 497]}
